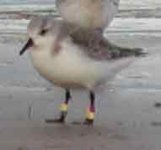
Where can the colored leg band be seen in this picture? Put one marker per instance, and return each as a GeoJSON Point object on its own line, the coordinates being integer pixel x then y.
{"type": "Point", "coordinates": [64, 107]}
{"type": "Point", "coordinates": [89, 114]}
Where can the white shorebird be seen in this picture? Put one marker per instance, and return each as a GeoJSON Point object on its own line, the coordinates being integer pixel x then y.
{"type": "Point", "coordinates": [93, 14]}
{"type": "Point", "coordinates": [70, 65]}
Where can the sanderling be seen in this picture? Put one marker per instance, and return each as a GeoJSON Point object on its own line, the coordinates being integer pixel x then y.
{"type": "Point", "coordinates": [93, 14]}
{"type": "Point", "coordinates": [89, 18]}
{"type": "Point", "coordinates": [70, 65]}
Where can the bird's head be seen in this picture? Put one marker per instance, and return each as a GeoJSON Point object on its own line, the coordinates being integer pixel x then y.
{"type": "Point", "coordinates": [42, 32]}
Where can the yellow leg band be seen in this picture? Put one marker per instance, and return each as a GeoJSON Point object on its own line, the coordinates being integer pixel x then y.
{"type": "Point", "coordinates": [90, 115]}
{"type": "Point", "coordinates": [64, 107]}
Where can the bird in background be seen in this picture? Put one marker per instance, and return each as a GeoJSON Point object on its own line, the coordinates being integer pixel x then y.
{"type": "Point", "coordinates": [71, 65]}
{"type": "Point", "coordinates": [88, 20]}
{"type": "Point", "coordinates": [87, 16]}
{"type": "Point", "coordinates": [91, 14]}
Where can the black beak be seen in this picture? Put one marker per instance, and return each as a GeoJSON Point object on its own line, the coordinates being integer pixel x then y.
{"type": "Point", "coordinates": [26, 46]}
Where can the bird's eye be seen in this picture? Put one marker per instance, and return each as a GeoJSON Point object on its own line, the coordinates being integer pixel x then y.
{"type": "Point", "coordinates": [43, 32]}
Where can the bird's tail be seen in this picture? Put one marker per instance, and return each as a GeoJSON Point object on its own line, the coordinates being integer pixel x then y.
{"type": "Point", "coordinates": [115, 66]}
{"type": "Point", "coordinates": [119, 51]}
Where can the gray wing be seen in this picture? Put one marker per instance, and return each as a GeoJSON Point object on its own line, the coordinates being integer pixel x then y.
{"type": "Point", "coordinates": [98, 47]}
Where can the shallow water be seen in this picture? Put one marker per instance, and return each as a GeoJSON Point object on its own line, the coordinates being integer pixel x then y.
{"type": "Point", "coordinates": [10, 2]}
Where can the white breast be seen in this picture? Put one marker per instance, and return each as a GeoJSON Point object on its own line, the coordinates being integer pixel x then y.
{"type": "Point", "coordinates": [69, 67]}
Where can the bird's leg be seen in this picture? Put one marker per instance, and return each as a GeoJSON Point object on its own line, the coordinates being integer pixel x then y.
{"type": "Point", "coordinates": [90, 114]}
{"type": "Point", "coordinates": [64, 106]}
{"type": "Point", "coordinates": [63, 109]}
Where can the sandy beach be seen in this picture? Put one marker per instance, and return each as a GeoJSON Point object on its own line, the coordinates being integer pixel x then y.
{"type": "Point", "coordinates": [128, 109]}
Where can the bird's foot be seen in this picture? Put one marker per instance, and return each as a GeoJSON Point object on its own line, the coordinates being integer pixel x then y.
{"type": "Point", "coordinates": [90, 115]}
{"type": "Point", "coordinates": [63, 114]}
{"type": "Point", "coordinates": [88, 122]}
{"type": "Point", "coordinates": [60, 120]}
